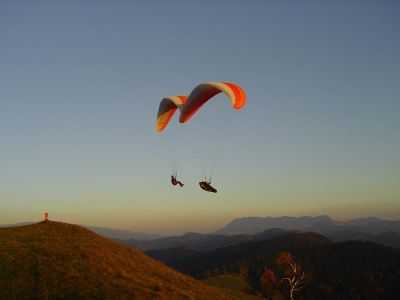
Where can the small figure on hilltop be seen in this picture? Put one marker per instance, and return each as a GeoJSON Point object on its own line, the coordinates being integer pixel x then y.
{"type": "Point", "coordinates": [45, 216]}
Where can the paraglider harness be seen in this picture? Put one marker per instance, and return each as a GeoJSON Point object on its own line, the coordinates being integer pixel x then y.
{"type": "Point", "coordinates": [175, 182]}
{"type": "Point", "coordinates": [206, 185]}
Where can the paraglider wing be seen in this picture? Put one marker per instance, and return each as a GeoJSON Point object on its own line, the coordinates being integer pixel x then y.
{"type": "Point", "coordinates": [203, 92]}
{"type": "Point", "coordinates": [166, 110]}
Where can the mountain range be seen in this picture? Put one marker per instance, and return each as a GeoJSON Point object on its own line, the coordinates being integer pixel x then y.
{"type": "Point", "coordinates": [345, 270]}
{"type": "Point", "coordinates": [252, 229]}
{"type": "Point", "coordinates": [323, 224]}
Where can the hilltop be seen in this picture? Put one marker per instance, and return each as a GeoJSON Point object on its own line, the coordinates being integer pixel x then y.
{"type": "Point", "coordinates": [53, 260]}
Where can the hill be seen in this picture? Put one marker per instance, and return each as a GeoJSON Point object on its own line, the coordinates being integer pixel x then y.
{"type": "Point", "coordinates": [52, 260]}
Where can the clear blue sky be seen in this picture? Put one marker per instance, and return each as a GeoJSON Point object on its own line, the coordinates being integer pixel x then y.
{"type": "Point", "coordinates": [80, 84]}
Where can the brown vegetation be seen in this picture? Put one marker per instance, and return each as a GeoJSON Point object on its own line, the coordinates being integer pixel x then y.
{"type": "Point", "coordinates": [52, 260]}
{"type": "Point", "coordinates": [287, 276]}
{"type": "Point", "coordinates": [347, 270]}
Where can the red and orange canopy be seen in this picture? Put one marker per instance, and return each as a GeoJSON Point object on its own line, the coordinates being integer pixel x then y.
{"type": "Point", "coordinates": [190, 105]}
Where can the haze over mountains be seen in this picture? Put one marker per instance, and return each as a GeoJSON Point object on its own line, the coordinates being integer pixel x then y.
{"type": "Point", "coordinates": [251, 229]}
{"type": "Point", "coordinates": [121, 234]}
{"type": "Point", "coordinates": [201, 242]}
{"type": "Point", "coordinates": [253, 225]}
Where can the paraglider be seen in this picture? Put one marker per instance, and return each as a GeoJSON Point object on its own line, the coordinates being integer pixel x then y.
{"type": "Point", "coordinates": [190, 105]}
{"type": "Point", "coordinates": [166, 110]}
{"type": "Point", "coordinates": [204, 92]}
{"type": "Point", "coordinates": [206, 185]}
{"type": "Point", "coordinates": [175, 182]}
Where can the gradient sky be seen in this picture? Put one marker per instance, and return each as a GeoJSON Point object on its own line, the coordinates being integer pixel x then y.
{"type": "Point", "coordinates": [80, 84]}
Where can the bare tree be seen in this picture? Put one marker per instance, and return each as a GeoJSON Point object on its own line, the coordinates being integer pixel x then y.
{"type": "Point", "coordinates": [295, 279]}
{"type": "Point", "coordinates": [288, 274]}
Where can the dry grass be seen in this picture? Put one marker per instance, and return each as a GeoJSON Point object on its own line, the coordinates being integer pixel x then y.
{"type": "Point", "coordinates": [235, 282]}
{"type": "Point", "coordinates": [52, 260]}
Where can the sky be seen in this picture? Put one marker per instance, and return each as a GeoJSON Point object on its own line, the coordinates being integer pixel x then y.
{"type": "Point", "coordinates": [81, 81]}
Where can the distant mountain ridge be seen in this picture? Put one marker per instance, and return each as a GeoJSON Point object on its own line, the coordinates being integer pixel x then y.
{"type": "Point", "coordinates": [242, 230]}
{"type": "Point", "coordinates": [255, 228]}
{"type": "Point", "coordinates": [201, 242]}
{"type": "Point", "coordinates": [321, 224]}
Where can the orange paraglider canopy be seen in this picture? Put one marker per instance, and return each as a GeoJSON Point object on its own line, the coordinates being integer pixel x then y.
{"type": "Point", "coordinates": [190, 105]}
{"type": "Point", "coordinates": [205, 91]}
{"type": "Point", "coordinates": [167, 110]}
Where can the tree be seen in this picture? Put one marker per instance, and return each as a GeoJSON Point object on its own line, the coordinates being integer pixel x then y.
{"type": "Point", "coordinates": [268, 282]}
{"type": "Point", "coordinates": [290, 276]}
{"type": "Point", "coordinates": [293, 273]}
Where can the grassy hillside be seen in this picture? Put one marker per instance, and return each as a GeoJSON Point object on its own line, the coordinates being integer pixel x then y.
{"type": "Point", "coordinates": [235, 282]}
{"type": "Point", "coordinates": [52, 260]}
